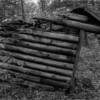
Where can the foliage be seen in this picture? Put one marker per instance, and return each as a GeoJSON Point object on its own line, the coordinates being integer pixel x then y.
{"type": "Point", "coordinates": [12, 10]}
{"type": "Point", "coordinates": [87, 81]}
{"type": "Point", "coordinates": [30, 10]}
{"type": "Point", "coordinates": [9, 9]}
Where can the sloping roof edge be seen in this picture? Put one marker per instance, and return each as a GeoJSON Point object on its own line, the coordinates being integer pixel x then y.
{"type": "Point", "coordinates": [85, 10]}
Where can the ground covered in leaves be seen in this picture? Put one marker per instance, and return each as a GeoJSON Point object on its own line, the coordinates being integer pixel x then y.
{"type": "Point", "coordinates": [87, 81]}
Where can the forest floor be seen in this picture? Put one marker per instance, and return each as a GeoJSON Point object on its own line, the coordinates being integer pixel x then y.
{"type": "Point", "coordinates": [87, 85]}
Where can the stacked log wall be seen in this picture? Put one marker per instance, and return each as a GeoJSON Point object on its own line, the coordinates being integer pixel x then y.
{"type": "Point", "coordinates": [46, 57]}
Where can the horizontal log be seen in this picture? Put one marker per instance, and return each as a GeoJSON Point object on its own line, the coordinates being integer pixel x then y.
{"type": "Point", "coordinates": [74, 24]}
{"type": "Point", "coordinates": [42, 47]}
{"type": "Point", "coordinates": [27, 83]}
{"type": "Point", "coordinates": [37, 66]}
{"type": "Point", "coordinates": [39, 80]}
{"type": "Point", "coordinates": [34, 72]}
{"type": "Point", "coordinates": [46, 41]}
{"type": "Point", "coordinates": [76, 17]}
{"type": "Point", "coordinates": [58, 57]}
{"type": "Point", "coordinates": [41, 61]}
{"type": "Point", "coordinates": [53, 35]}
{"type": "Point", "coordinates": [48, 48]}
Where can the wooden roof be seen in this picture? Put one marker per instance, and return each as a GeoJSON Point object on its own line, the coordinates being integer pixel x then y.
{"type": "Point", "coordinates": [94, 18]}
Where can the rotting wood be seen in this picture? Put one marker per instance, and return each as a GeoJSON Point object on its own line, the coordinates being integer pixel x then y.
{"type": "Point", "coordinates": [81, 35]}
{"type": "Point", "coordinates": [26, 83]}
{"type": "Point", "coordinates": [34, 72]}
{"type": "Point", "coordinates": [41, 61]}
{"type": "Point", "coordinates": [41, 67]}
{"type": "Point", "coordinates": [32, 51]}
{"type": "Point", "coordinates": [76, 17]}
{"type": "Point", "coordinates": [40, 80]}
{"type": "Point", "coordinates": [73, 24]}
{"type": "Point", "coordinates": [35, 39]}
{"type": "Point", "coordinates": [40, 47]}
{"type": "Point", "coordinates": [56, 36]}
{"type": "Point", "coordinates": [37, 53]}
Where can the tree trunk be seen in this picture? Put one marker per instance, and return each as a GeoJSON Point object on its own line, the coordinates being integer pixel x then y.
{"type": "Point", "coordinates": [42, 5]}
{"type": "Point", "coordinates": [23, 13]}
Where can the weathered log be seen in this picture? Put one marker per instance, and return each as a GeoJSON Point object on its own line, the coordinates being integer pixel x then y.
{"type": "Point", "coordinates": [74, 24]}
{"type": "Point", "coordinates": [39, 80]}
{"type": "Point", "coordinates": [27, 83]}
{"type": "Point", "coordinates": [46, 41]}
{"type": "Point", "coordinates": [42, 61]}
{"type": "Point", "coordinates": [76, 17]}
{"type": "Point", "coordinates": [56, 36]}
{"type": "Point", "coordinates": [81, 35]}
{"type": "Point", "coordinates": [33, 72]}
{"type": "Point", "coordinates": [47, 48]}
{"type": "Point", "coordinates": [37, 53]}
{"type": "Point", "coordinates": [44, 48]}
{"type": "Point", "coordinates": [41, 67]}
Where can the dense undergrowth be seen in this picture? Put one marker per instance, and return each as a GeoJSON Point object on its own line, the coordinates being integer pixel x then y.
{"type": "Point", "coordinates": [87, 81]}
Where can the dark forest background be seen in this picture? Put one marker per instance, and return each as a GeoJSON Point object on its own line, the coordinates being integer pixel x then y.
{"type": "Point", "coordinates": [24, 9]}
